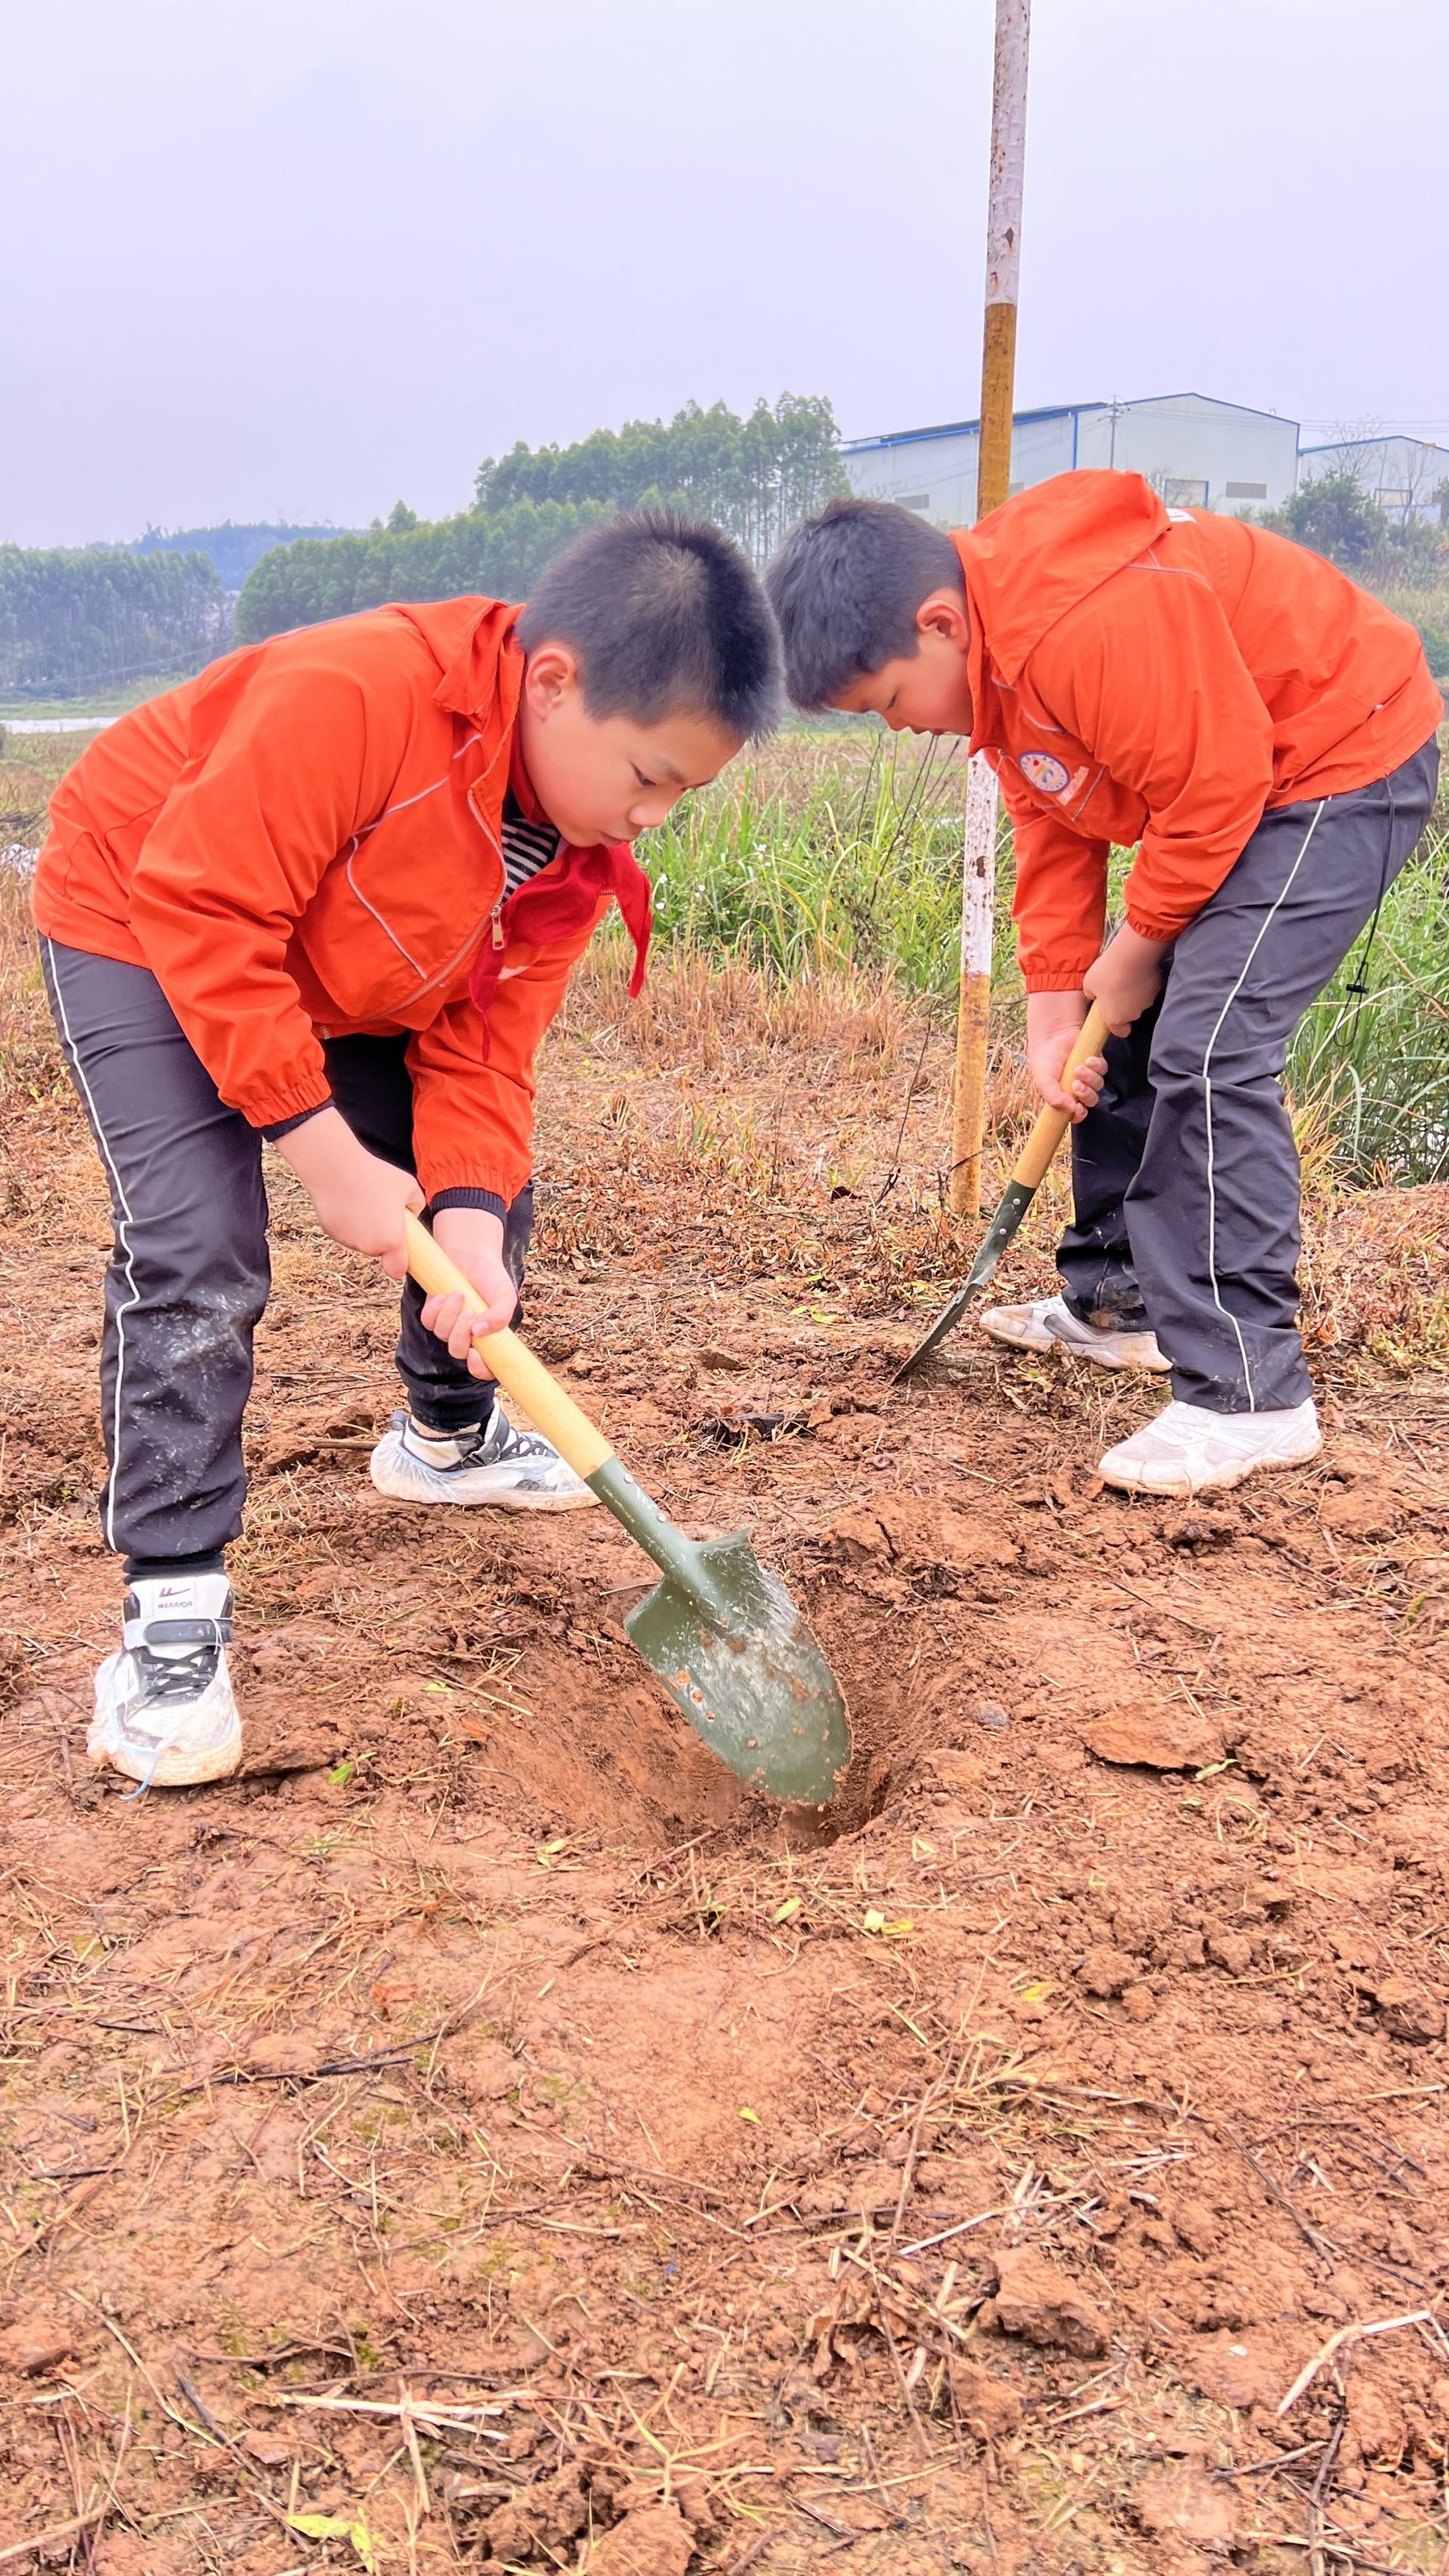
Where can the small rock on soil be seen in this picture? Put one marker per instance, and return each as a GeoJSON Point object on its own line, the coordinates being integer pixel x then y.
{"type": "Point", "coordinates": [1037, 2301]}
{"type": "Point", "coordinates": [1406, 2013]}
{"type": "Point", "coordinates": [1161, 1737]}
{"type": "Point", "coordinates": [988, 2408]}
{"type": "Point", "coordinates": [654, 2541]}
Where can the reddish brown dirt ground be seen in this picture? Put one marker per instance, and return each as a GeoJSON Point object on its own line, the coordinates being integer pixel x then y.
{"type": "Point", "coordinates": [482, 2135]}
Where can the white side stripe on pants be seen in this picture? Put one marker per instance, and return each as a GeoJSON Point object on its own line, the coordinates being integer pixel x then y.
{"type": "Point", "coordinates": [123, 1221]}
{"type": "Point", "coordinates": [1268, 922]}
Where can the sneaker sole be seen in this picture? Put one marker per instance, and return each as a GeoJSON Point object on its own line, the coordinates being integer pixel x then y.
{"type": "Point", "coordinates": [1037, 1341]}
{"type": "Point", "coordinates": [1110, 1359]}
{"type": "Point", "coordinates": [400, 1491]}
{"type": "Point", "coordinates": [1049, 1341]}
{"type": "Point", "coordinates": [1182, 1488]}
{"type": "Point", "coordinates": [174, 1770]}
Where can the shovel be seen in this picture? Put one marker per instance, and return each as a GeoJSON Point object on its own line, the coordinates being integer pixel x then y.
{"type": "Point", "coordinates": [1016, 1198]}
{"type": "Point", "coordinates": [721, 1631]}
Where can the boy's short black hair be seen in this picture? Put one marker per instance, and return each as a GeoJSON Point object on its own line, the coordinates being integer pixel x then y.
{"type": "Point", "coordinates": [846, 586]}
{"type": "Point", "coordinates": [666, 617]}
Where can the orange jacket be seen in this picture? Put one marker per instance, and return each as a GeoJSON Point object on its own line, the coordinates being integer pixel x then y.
{"type": "Point", "coordinates": [305, 842]}
{"type": "Point", "coordinates": [1140, 674]}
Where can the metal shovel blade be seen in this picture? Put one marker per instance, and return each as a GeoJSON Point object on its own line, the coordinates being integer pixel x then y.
{"type": "Point", "coordinates": [739, 1661]}
{"type": "Point", "coordinates": [1014, 1202]}
{"type": "Point", "coordinates": [722, 1633]}
{"type": "Point", "coordinates": [1016, 1198]}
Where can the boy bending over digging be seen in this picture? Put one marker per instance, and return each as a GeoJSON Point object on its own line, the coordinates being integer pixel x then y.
{"type": "Point", "coordinates": [330, 894]}
{"type": "Point", "coordinates": [1263, 730]}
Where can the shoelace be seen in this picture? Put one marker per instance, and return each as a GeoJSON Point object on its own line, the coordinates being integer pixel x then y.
{"type": "Point", "coordinates": [181, 1675]}
{"type": "Point", "coordinates": [525, 1444]}
{"type": "Point", "coordinates": [515, 1444]}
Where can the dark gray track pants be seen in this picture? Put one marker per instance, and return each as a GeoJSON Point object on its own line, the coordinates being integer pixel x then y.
{"type": "Point", "coordinates": [189, 1273]}
{"type": "Point", "coordinates": [1185, 1175]}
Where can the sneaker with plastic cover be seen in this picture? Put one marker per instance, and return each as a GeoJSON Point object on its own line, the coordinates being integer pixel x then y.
{"type": "Point", "coordinates": [1049, 1324]}
{"type": "Point", "coordinates": [515, 1471]}
{"type": "Point", "coordinates": [165, 1713]}
{"type": "Point", "coordinates": [1188, 1450]}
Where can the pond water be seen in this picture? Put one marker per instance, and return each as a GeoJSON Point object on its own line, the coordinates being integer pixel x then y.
{"type": "Point", "coordinates": [54, 724]}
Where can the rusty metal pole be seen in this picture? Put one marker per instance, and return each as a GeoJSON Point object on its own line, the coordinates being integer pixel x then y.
{"type": "Point", "coordinates": [993, 484]}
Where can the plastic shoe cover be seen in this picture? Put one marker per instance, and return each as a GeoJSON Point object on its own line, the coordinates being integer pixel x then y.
{"type": "Point", "coordinates": [1188, 1450]}
{"type": "Point", "coordinates": [165, 1713]}
{"type": "Point", "coordinates": [516, 1471]}
{"type": "Point", "coordinates": [1049, 1324]}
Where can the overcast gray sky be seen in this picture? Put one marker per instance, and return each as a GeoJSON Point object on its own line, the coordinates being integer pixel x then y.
{"type": "Point", "coordinates": [299, 257]}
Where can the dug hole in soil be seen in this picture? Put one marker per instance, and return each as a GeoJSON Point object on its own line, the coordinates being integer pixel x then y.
{"type": "Point", "coordinates": [484, 2135]}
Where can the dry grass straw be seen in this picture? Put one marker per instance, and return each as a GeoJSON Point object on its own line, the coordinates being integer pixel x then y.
{"type": "Point", "coordinates": [713, 1013]}
{"type": "Point", "coordinates": [1375, 1280]}
{"type": "Point", "coordinates": [31, 1065]}
{"type": "Point", "coordinates": [31, 768]}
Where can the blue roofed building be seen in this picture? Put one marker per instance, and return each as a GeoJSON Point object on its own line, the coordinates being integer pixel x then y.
{"type": "Point", "coordinates": [1195, 450]}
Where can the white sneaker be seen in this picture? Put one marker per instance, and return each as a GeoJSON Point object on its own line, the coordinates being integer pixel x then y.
{"type": "Point", "coordinates": [1188, 1450]}
{"type": "Point", "coordinates": [165, 1712]}
{"type": "Point", "coordinates": [1049, 1324]}
{"type": "Point", "coordinates": [515, 1470]}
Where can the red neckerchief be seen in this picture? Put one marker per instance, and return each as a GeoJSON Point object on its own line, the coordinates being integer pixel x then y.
{"type": "Point", "coordinates": [552, 906]}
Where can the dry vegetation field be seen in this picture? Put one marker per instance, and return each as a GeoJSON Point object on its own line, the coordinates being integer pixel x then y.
{"type": "Point", "coordinates": [482, 2136]}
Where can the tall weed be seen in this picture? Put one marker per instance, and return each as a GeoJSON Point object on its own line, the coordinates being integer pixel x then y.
{"type": "Point", "coordinates": [843, 852]}
{"type": "Point", "coordinates": [840, 855]}
{"type": "Point", "coordinates": [813, 896]}
{"type": "Point", "coordinates": [1369, 1066]}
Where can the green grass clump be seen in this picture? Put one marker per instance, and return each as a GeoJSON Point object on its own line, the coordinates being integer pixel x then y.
{"type": "Point", "coordinates": [843, 851]}
{"type": "Point", "coordinates": [838, 849]}
{"type": "Point", "coordinates": [1369, 1067]}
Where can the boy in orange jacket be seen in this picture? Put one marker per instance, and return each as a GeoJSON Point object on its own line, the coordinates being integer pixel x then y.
{"type": "Point", "coordinates": [1264, 732]}
{"type": "Point", "coordinates": [329, 895]}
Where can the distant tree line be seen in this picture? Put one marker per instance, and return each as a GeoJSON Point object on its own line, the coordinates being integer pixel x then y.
{"type": "Point", "coordinates": [76, 621]}
{"type": "Point", "coordinates": [72, 623]}
{"type": "Point", "coordinates": [499, 554]}
{"type": "Point", "coordinates": [755, 478]}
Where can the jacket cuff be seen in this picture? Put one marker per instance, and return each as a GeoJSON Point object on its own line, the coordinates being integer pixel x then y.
{"type": "Point", "coordinates": [1146, 928]}
{"type": "Point", "coordinates": [268, 1109]}
{"type": "Point", "coordinates": [458, 1174]}
{"type": "Point", "coordinates": [1056, 979]}
{"type": "Point", "coordinates": [279, 1127]}
{"type": "Point", "coordinates": [488, 1200]}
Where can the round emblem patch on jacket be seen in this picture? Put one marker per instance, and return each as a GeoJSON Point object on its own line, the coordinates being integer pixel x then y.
{"type": "Point", "coordinates": [1043, 771]}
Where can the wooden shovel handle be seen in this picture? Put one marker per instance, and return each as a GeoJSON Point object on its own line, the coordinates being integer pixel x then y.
{"type": "Point", "coordinates": [520, 1375]}
{"type": "Point", "coordinates": [1052, 1125]}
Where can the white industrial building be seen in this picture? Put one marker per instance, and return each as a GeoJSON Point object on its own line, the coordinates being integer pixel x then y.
{"type": "Point", "coordinates": [1216, 455]}
{"type": "Point", "coordinates": [1406, 476]}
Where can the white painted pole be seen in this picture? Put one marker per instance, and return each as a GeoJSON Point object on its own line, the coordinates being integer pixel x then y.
{"type": "Point", "coordinates": [993, 486]}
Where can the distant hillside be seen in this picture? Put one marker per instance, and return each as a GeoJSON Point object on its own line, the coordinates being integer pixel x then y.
{"type": "Point", "coordinates": [233, 549]}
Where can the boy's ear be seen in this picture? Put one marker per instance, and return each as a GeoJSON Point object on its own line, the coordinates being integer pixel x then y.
{"type": "Point", "coordinates": [550, 675]}
{"type": "Point", "coordinates": [943, 614]}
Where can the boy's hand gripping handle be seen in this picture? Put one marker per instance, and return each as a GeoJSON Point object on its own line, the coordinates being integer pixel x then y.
{"type": "Point", "coordinates": [518, 1372]}
{"type": "Point", "coordinates": [1052, 1125]}
{"type": "Point", "coordinates": [1016, 1198]}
